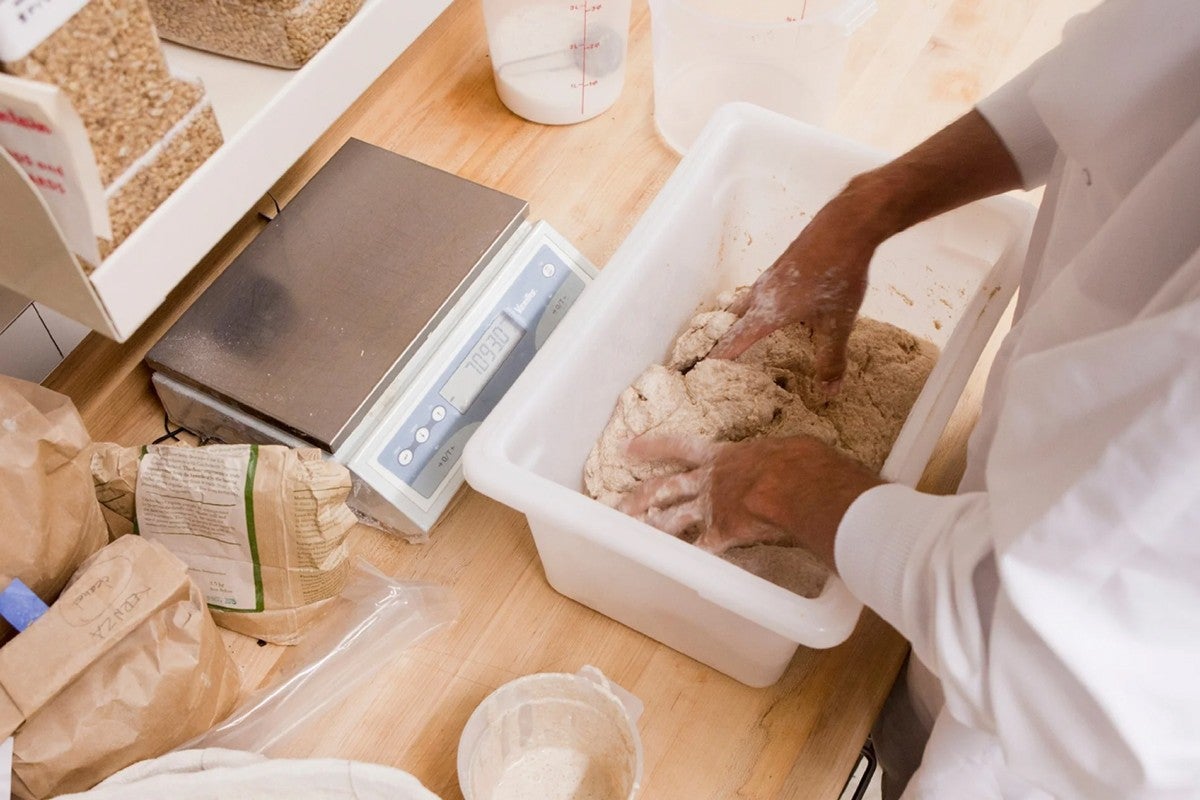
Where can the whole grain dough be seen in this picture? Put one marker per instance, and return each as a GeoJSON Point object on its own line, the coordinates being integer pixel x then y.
{"type": "Point", "coordinates": [769, 390]}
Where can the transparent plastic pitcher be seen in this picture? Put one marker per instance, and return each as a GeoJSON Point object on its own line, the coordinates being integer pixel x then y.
{"type": "Point", "coordinates": [785, 55]}
{"type": "Point", "coordinates": [557, 61]}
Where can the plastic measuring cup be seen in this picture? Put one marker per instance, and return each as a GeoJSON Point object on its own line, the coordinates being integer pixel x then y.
{"type": "Point", "coordinates": [785, 55]}
{"type": "Point", "coordinates": [557, 61]}
{"type": "Point", "coordinates": [553, 736]}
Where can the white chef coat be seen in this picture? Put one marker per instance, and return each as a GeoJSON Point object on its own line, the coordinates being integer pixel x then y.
{"type": "Point", "coordinates": [1057, 596]}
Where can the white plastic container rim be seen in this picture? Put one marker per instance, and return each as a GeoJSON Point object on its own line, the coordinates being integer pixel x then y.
{"type": "Point", "coordinates": [820, 622]}
{"type": "Point", "coordinates": [848, 17]}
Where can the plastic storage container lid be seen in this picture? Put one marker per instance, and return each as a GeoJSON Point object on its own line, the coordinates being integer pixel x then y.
{"type": "Point", "coordinates": [853, 14]}
{"type": "Point", "coordinates": [849, 15]}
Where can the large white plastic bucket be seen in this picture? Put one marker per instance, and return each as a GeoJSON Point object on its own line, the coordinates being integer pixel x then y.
{"type": "Point", "coordinates": [736, 200]}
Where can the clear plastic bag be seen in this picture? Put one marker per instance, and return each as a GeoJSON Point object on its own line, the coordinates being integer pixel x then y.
{"type": "Point", "coordinates": [375, 618]}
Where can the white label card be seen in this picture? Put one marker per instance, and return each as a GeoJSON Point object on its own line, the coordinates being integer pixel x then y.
{"type": "Point", "coordinates": [45, 137]}
{"type": "Point", "coordinates": [24, 24]}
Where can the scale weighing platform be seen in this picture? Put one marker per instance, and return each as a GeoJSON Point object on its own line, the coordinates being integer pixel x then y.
{"type": "Point", "coordinates": [380, 316]}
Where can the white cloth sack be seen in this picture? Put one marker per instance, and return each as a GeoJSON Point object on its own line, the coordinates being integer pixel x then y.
{"type": "Point", "coordinates": [216, 774]}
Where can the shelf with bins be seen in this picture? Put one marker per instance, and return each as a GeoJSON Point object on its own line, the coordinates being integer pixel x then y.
{"type": "Point", "coordinates": [268, 117]}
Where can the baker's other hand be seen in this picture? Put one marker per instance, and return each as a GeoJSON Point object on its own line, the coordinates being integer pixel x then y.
{"type": "Point", "coordinates": [820, 280]}
{"type": "Point", "coordinates": [790, 491]}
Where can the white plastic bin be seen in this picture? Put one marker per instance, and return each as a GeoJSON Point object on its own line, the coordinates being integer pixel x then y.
{"type": "Point", "coordinates": [735, 201]}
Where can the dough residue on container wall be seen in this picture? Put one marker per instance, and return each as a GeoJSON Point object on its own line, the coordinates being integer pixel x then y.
{"type": "Point", "coordinates": [769, 390]}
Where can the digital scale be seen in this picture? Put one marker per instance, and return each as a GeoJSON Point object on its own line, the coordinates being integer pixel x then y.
{"type": "Point", "coordinates": [380, 317]}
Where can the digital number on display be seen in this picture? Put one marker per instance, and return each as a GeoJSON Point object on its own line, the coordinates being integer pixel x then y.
{"type": "Point", "coordinates": [499, 339]}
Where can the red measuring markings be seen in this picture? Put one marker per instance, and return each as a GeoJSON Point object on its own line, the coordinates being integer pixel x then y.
{"type": "Point", "coordinates": [584, 45]}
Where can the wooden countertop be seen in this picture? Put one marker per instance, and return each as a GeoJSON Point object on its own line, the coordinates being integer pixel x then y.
{"type": "Point", "coordinates": [914, 66]}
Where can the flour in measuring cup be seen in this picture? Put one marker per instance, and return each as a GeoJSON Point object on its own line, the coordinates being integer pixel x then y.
{"type": "Point", "coordinates": [558, 773]}
{"type": "Point", "coordinates": [541, 73]}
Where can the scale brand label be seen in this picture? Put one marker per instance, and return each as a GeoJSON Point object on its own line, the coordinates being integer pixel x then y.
{"type": "Point", "coordinates": [525, 301]}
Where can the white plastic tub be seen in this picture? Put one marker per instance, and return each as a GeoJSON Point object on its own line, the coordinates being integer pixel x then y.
{"type": "Point", "coordinates": [736, 200]}
{"type": "Point", "coordinates": [785, 55]}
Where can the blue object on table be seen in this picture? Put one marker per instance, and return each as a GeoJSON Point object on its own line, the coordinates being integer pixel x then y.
{"type": "Point", "coordinates": [20, 606]}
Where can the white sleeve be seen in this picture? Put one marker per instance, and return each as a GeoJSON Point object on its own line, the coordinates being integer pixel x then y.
{"type": "Point", "coordinates": [1011, 113]}
{"type": "Point", "coordinates": [912, 557]}
{"type": "Point", "coordinates": [1117, 57]}
{"type": "Point", "coordinates": [1059, 608]}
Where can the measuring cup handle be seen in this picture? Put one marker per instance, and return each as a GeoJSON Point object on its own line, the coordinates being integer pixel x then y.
{"type": "Point", "coordinates": [633, 705]}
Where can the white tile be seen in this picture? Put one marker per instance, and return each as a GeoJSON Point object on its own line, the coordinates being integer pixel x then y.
{"type": "Point", "coordinates": [26, 349]}
{"type": "Point", "coordinates": [67, 332]}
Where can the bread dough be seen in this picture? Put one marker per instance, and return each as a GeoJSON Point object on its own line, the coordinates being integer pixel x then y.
{"type": "Point", "coordinates": [769, 390]}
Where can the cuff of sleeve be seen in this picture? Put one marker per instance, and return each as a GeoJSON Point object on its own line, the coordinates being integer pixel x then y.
{"type": "Point", "coordinates": [1012, 114]}
{"type": "Point", "coordinates": [876, 539]}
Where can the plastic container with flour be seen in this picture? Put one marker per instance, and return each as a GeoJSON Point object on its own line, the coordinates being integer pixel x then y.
{"type": "Point", "coordinates": [553, 736]}
{"type": "Point", "coordinates": [735, 201]}
{"type": "Point", "coordinates": [557, 61]}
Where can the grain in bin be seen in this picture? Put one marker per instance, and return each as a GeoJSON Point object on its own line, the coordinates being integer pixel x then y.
{"type": "Point", "coordinates": [280, 33]}
{"type": "Point", "coordinates": [149, 129]}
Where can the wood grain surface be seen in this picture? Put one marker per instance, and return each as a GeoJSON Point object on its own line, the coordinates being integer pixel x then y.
{"type": "Point", "coordinates": [914, 66]}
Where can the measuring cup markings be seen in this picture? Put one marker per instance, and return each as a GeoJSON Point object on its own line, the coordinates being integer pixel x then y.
{"type": "Point", "coordinates": [559, 61]}
{"type": "Point", "coordinates": [584, 47]}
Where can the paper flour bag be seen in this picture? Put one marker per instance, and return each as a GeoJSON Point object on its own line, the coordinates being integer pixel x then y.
{"type": "Point", "coordinates": [114, 475]}
{"type": "Point", "coordinates": [125, 665]}
{"type": "Point", "coordinates": [262, 527]}
{"type": "Point", "coordinates": [51, 519]}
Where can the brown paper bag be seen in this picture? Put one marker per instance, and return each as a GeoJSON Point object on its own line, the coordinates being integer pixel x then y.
{"type": "Point", "coordinates": [51, 519]}
{"type": "Point", "coordinates": [114, 475]}
{"type": "Point", "coordinates": [262, 527]}
{"type": "Point", "coordinates": [125, 665]}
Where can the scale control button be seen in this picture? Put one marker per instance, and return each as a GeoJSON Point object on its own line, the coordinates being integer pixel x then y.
{"type": "Point", "coordinates": [422, 435]}
{"type": "Point", "coordinates": [548, 269]}
{"type": "Point", "coordinates": [439, 414]}
{"type": "Point", "coordinates": [405, 458]}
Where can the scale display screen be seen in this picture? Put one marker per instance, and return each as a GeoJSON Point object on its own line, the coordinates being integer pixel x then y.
{"type": "Point", "coordinates": [498, 340]}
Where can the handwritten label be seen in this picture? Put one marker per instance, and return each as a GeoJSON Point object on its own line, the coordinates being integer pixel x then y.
{"type": "Point", "coordinates": [84, 603]}
{"type": "Point", "coordinates": [112, 621]}
{"type": "Point", "coordinates": [45, 137]}
{"type": "Point", "coordinates": [24, 24]}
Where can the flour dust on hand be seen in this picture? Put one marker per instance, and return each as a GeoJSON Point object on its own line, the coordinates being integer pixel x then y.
{"type": "Point", "coordinates": [770, 390]}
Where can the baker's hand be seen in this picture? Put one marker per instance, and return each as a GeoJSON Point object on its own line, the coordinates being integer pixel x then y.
{"type": "Point", "coordinates": [820, 280]}
{"type": "Point", "coordinates": [787, 491]}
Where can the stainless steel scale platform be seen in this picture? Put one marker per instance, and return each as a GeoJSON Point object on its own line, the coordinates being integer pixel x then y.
{"type": "Point", "coordinates": [380, 316]}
